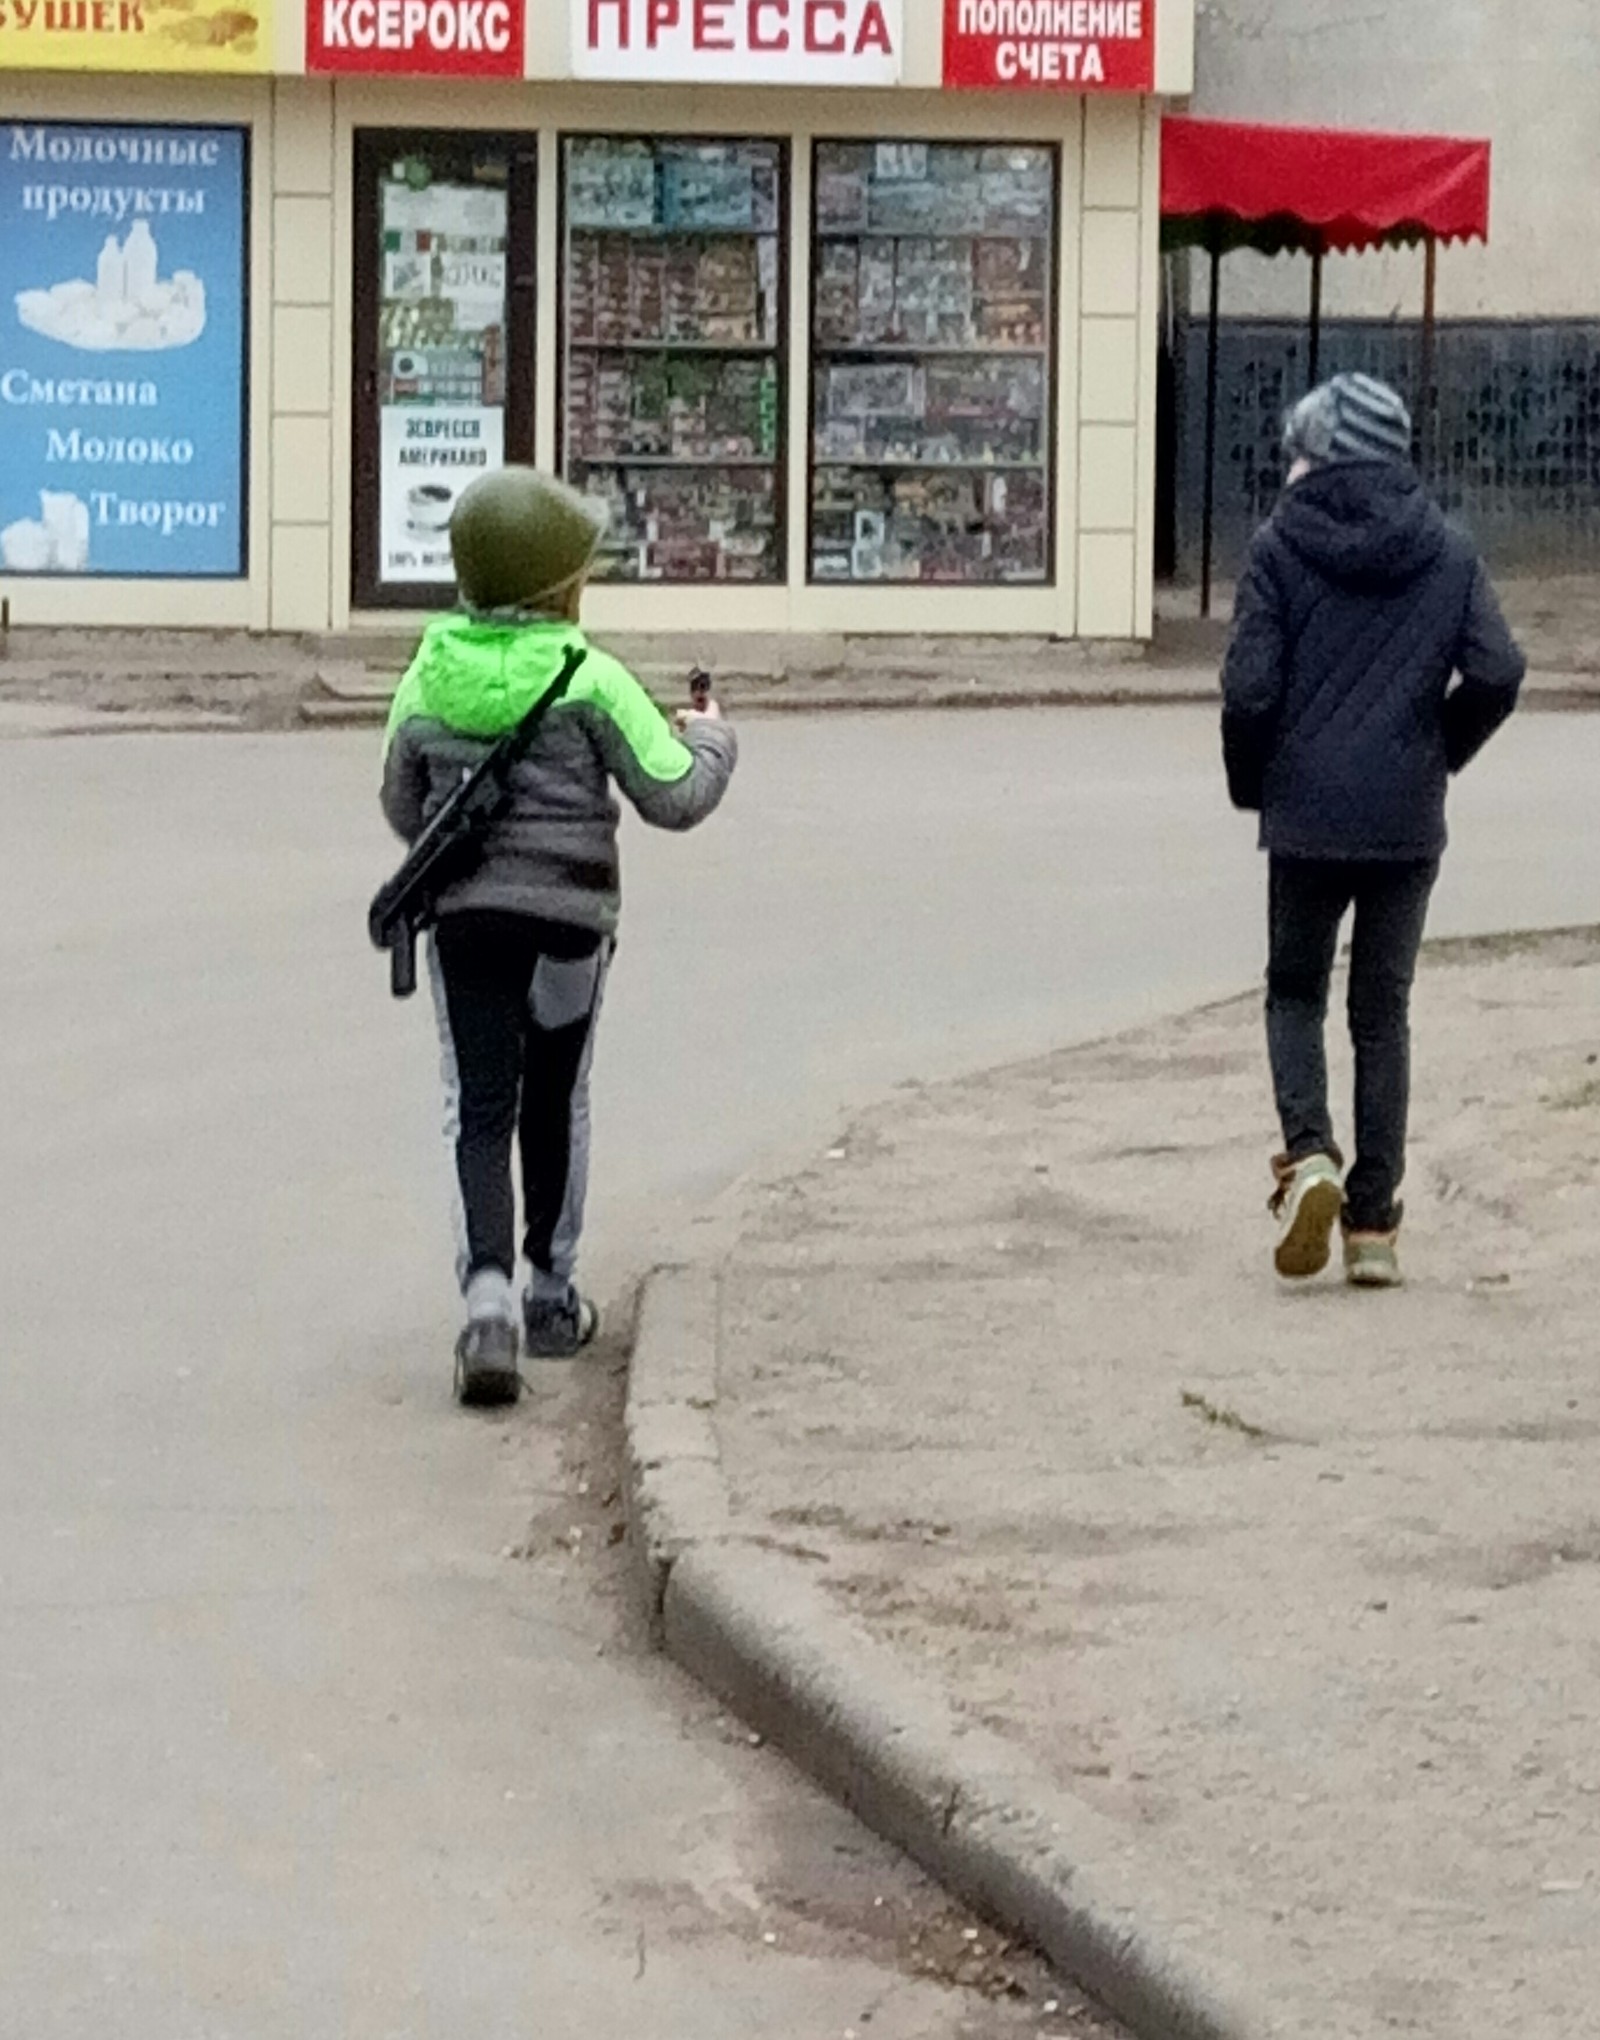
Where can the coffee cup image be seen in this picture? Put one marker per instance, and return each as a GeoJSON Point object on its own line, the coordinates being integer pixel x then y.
{"type": "Point", "coordinates": [428, 508]}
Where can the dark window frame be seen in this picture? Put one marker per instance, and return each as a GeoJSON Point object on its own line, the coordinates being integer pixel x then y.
{"type": "Point", "coordinates": [373, 146]}
{"type": "Point", "coordinates": [1050, 579]}
{"type": "Point", "coordinates": [783, 143]}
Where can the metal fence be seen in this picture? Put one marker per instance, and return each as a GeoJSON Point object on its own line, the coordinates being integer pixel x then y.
{"type": "Point", "coordinates": [1513, 450]}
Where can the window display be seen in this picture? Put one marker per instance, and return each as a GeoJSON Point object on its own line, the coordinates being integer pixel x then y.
{"type": "Point", "coordinates": [672, 388]}
{"type": "Point", "coordinates": [436, 323]}
{"type": "Point", "coordinates": [931, 362]}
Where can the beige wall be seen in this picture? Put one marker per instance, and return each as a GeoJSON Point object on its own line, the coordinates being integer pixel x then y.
{"type": "Point", "coordinates": [301, 315]}
{"type": "Point", "coordinates": [1526, 77]}
{"type": "Point", "coordinates": [1115, 389]}
{"type": "Point", "coordinates": [305, 453]}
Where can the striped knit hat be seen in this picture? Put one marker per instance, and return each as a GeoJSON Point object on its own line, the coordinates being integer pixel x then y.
{"type": "Point", "coordinates": [1352, 418]}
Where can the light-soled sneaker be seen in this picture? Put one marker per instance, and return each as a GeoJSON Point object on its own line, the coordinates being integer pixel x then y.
{"type": "Point", "coordinates": [1307, 1203]}
{"type": "Point", "coordinates": [486, 1364]}
{"type": "Point", "coordinates": [1372, 1260]}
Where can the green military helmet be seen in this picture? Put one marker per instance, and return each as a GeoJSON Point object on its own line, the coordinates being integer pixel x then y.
{"type": "Point", "coordinates": [520, 539]}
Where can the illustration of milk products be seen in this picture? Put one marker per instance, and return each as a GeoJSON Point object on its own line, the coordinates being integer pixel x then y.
{"type": "Point", "coordinates": [66, 518]}
{"type": "Point", "coordinates": [111, 273]}
{"type": "Point", "coordinates": [55, 542]}
{"type": "Point", "coordinates": [139, 253]}
{"type": "Point", "coordinates": [127, 306]}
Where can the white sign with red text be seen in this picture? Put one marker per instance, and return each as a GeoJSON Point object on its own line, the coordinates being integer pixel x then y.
{"type": "Point", "coordinates": [743, 42]}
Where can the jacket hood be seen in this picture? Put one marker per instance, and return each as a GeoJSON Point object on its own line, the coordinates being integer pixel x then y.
{"type": "Point", "coordinates": [479, 675]}
{"type": "Point", "coordinates": [1363, 525]}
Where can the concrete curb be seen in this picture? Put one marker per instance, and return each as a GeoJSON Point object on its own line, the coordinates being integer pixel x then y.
{"type": "Point", "coordinates": [363, 713]}
{"type": "Point", "coordinates": [25, 720]}
{"type": "Point", "coordinates": [976, 1814]}
{"type": "Point", "coordinates": [369, 712]}
{"type": "Point", "coordinates": [676, 1494]}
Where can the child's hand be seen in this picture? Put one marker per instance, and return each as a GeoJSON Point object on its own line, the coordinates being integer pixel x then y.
{"type": "Point", "coordinates": [709, 713]}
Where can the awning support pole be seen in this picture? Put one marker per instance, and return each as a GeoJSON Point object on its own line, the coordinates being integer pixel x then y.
{"type": "Point", "coordinates": [1430, 310]}
{"type": "Point", "coordinates": [1209, 511]}
{"type": "Point", "coordinates": [1316, 317]}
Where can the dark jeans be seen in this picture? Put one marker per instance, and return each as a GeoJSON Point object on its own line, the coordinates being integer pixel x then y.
{"type": "Point", "coordinates": [518, 1000]}
{"type": "Point", "coordinates": [1308, 902]}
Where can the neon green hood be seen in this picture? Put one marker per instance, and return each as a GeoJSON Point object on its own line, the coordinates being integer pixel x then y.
{"type": "Point", "coordinates": [480, 675]}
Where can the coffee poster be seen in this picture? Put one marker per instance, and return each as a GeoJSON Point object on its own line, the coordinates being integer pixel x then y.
{"type": "Point", "coordinates": [441, 361]}
{"type": "Point", "coordinates": [429, 454]}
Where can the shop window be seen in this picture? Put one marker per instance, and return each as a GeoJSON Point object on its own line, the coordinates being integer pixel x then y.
{"type": "Point", "coordinates": [672, 372]}
{"type": "Point", "coordinates": [932, 398]}
{"type": "Point", "coordinates": [445, 237]}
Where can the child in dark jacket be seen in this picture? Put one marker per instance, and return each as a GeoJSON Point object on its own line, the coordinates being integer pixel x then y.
{"type": "Point", "coordinates": [519, 958]}
{"type": "Point", "coordinates": [1343, 718]}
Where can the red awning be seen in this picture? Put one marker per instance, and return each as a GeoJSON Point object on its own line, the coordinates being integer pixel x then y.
{"type": "Point", "coordinates": [1225, 184]}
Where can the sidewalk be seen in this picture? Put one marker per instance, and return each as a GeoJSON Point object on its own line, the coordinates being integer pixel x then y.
{"type": "Point", "coordinates": [233, 679]}
{"type": "Point", "coordinates": [1295, 1593]}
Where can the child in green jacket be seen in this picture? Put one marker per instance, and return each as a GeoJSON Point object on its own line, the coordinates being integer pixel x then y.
{"type": "Point", "coordinates": [519, 956]}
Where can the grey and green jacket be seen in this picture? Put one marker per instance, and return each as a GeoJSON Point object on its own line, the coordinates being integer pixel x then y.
{"type": "Point", "coordinates": [553, 853]}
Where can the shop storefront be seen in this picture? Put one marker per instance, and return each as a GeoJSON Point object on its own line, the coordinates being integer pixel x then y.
{"type": "Point", "coordinates": [846, 310]}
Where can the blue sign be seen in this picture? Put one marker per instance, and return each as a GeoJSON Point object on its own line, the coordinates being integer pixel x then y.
{"type": "Point", "coordinates": [122, 350]}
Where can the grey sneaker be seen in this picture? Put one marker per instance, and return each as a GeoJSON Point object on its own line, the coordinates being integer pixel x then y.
{"type": "Point", "coordinates": [558, 1330]}
{"type": "Point", "coordinates": [486, 1364]}
{"type": "Point", "coordinates": [1372, 1260]}
{"type": "Point", "coordinates": [1307, 1203]}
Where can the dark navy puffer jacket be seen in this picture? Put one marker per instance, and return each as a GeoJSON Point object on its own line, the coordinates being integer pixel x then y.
{"type": "Point", "coordinates": [1359, 608]}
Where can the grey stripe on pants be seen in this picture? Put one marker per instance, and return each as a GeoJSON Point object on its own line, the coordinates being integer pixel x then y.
{"type": "Point", "coordinates": [558, 997]}
{"type": "Point", "coordinates": [562, 993]}
{"type": "Point", "coordinates": [450, 1080]}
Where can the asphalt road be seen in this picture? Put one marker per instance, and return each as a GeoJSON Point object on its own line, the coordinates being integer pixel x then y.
{"type": "Point", "coordinates": [320, 1717]}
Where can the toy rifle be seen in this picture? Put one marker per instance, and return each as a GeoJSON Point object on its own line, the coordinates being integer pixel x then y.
{"type": "Point", "coordinates": [452, 842]}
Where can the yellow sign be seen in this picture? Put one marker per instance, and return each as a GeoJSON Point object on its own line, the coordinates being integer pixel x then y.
{"type": "Point", "coordinates": [135, 35]}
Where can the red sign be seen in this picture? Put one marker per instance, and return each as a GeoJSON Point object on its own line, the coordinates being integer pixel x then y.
{"type": "Point", "coordinates": [416, 38]}
{"type": "Point", "coordinates": [1050, 45]}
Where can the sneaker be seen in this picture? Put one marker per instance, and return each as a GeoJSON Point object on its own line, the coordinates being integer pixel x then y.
{"type": "Point", "coordinates": [560, 1329]}
{"type": "Point", "coordinates": [486, 1364]}
{"type": "Point", "coordinates": [1307, 1203]}
{"type": "Point", "coordinates": [1372, 1260]}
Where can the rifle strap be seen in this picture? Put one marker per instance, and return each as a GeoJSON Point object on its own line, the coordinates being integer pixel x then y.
{"type": "Point", "coordinates": [519, 741]}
